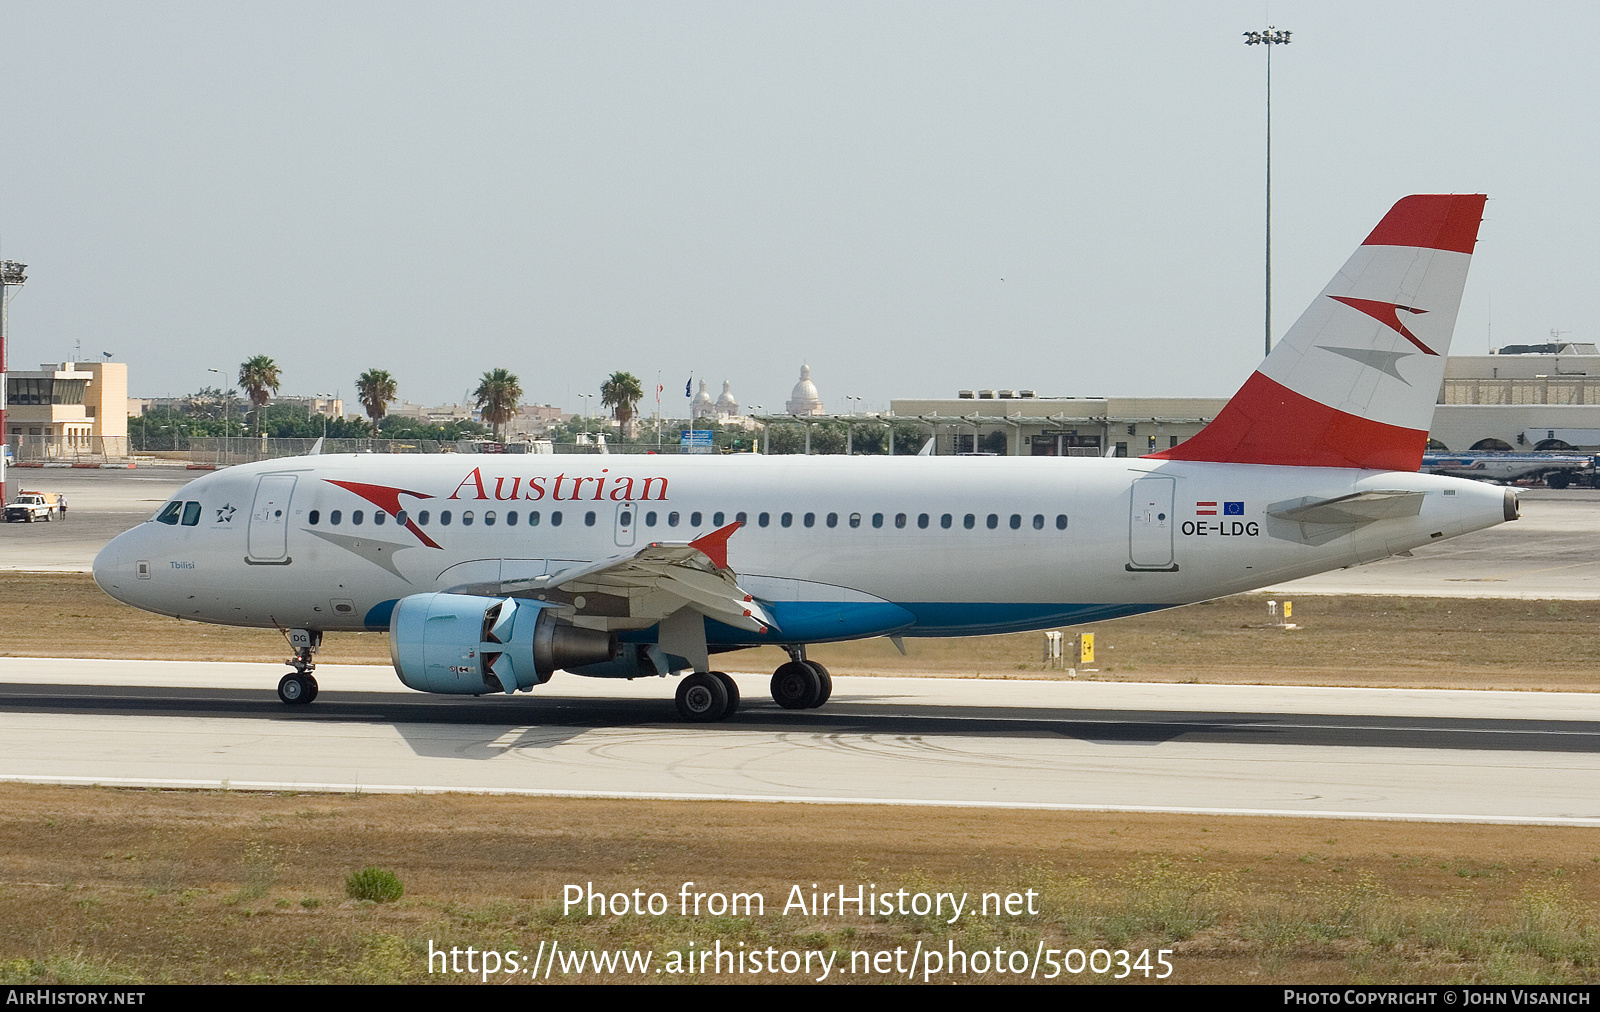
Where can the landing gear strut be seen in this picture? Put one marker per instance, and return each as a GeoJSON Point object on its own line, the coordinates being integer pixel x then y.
{"type": "Point", "coordinates": [300, 685]}
{"type": "Point", "coordinates": [801, 684]}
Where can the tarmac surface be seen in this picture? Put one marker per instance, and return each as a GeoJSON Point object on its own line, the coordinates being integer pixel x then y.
{"type": "Point", "coordinates": [1362, 753]}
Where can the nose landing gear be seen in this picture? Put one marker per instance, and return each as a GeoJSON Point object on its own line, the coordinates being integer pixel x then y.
{"type": "Point", "coordinates": [299, 686]}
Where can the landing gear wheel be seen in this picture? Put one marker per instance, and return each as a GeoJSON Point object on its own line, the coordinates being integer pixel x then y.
{"type": "Point", "coordinates": [701, 698]}
{"type": "Point", "coordinates": [1559, 479]}
{"type": "Point", "coordinates": [297, 689]}
{"type": "Point", "coordinates": [732, 689]}
{"type": "Point", "coordinates": [827, 683]}
{"type": "Point", "coordinates": [796, 686]}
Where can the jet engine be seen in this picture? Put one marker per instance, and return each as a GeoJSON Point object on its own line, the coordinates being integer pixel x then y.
{"type": "Point", "coordinates": [471, 645]}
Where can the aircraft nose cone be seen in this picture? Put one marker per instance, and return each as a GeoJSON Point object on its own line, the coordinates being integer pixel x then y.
{"type": "Point", "coordinates": [113, 567]}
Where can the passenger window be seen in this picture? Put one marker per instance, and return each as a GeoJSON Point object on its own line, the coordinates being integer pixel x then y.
{"type": "Point", "coordinates": [444, 518]}
{"type": "Point", "coordinates": [717, 518]}
{"type": "Point", "coordinates": [694, 519]}
{"type": "Point", "coordinates": [764, 519]}
{"type": "Point", "coordinates": [533, 518]}
{"type": "Point", "coordinates": [378, 517]}
{"type": "Point", "coordinates": [314, 517]}
{"type": "Point", "coordinates": [626, 519]}
{"type": "Point", "coordinates": [855, 520]}
{"type": "Point", "coordinates": [400, 518]}
{"type": "Point", "coordinates": [488, 518]}
{"type": "Point", "coordinates": [900, 520]}
{"type": "Point", "coordinates": [922, 520]}
{"type": "Point", "coordinates": [355, 518]}
{"type": "Point", "coordinates": [1038, 521]}
{"type": "Point", "coordinates": [555, 518]}
{"type": "Point", "coordinates": [969, 521]}
{"type": "Point", "coordinates": [191, 514]}
{"type": "Point", "coordinates": [1061, 521]}
{"type": "Point", "coordinates": [422, 518]}
{"type": "Point", "coordinates": [877, 519]}
{"type": "Point", "coordinates": [336, 516]}
{"type": "Point", "coordinates": [672, 519]}
{"type": "Point", "coordinates": [742, 518]}
{"type": "Point", "coordinates": [945, 521]}
{"type": "Point", "coordinates": [650, 519]}
{"type": "Point", "coordinates": [993, 521]}
{"type": "Point", "coordinates": [588, 519]}
{"type": "Point", "coordinates": [170, 513]}
{"type": "Point", "coordinates": [787, 520]}
{"type": "Point", "coordinates": [833, 519]}
{"type": "Point", "coordinates": [1016, 521]}
{"type": "Point", "coordinates": [811, 520]}
{"type": "Point", "coordinates": [466, 518]}
{"type": "Point", "coordinates": [511, 518]}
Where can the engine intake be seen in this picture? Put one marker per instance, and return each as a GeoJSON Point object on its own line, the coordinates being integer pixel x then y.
{"type": "Point", "coordinates": [467, 645]}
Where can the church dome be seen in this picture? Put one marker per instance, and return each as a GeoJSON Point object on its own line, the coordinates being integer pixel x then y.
{"type": "Point", "coordinates": [726, 405]}
{"type": "Point", "coordinates": [701, 405]}
{"type": "Point", "coordinates": [805, 399]}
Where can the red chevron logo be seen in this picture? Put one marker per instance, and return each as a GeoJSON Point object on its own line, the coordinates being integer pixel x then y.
{"type": "Point", "coordinates": [1388, 314]}
{"type": "Point", "coordinates": [387, 499]}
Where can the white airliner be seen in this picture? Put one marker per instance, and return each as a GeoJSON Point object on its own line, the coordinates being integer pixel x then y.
{"type": "Point", "coordinates": [491, 573]}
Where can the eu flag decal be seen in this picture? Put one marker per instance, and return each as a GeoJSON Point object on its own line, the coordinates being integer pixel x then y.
{"type": "Point", "coordinates": [1233, 509]}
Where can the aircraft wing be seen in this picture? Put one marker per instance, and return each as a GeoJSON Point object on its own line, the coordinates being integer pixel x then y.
{"type": "Point", "coordinates": [1356, 508]}
{"type": "Point", "coordinates": [640, 589]}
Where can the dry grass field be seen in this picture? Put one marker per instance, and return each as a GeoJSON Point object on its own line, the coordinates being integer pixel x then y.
{"type": "Point", "coordinates": [148, 886]}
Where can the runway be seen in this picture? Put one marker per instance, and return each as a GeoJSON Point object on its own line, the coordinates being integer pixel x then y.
{"type": "Point", "coordinates": [1366, 753]}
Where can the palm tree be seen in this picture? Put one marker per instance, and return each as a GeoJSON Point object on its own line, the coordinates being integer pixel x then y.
{"type": "Point", "coordinates": [259, 378]}
{"type": "Point", "coordinates": [498, 396]}
{"type": "Point", "coordinates": [621, 393]}
{"type": "Point", "coordinates": [376, 388]}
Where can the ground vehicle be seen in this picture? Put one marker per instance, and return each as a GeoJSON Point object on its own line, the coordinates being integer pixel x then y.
{"type": "Point", "coordinates": [31, 506]}
{"type": "Point", "coordinates": [491, 574]}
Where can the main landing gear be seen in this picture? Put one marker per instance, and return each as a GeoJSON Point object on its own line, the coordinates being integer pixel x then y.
{"type": "Point", "coordinates": [801, 684]}
{"type": "Point", "coordinates": [299, 686]}
{"type": "Point", "coordinates": [707, 696]}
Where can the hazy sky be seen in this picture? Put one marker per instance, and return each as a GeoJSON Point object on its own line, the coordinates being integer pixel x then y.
{"type": "Point", "coordinates": [915, 197]}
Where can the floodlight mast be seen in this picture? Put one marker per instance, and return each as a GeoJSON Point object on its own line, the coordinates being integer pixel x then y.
{"type": "Point", "coordinates": [11, 276]}
{"type": "Point", "coordinates": [1269, 38]}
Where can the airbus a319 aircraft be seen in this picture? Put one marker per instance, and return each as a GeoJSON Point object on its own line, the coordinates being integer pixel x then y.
{"type": "Point", "coordinates": [492, 573]}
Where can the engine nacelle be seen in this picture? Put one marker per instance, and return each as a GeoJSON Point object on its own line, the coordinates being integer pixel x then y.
{"type": "Point", "coordinates": [471, 645]}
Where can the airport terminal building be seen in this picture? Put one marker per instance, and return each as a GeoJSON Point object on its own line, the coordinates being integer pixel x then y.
{"type": "Point", "coordinates": [1521, 397]}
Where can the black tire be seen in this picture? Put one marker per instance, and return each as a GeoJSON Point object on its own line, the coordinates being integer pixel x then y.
{"type": "Point", "coordinates": [796, 686]}
{"type": "Point", "coordinates": [1558, 479]}
{"type": "Point", "coordinates": [827, 683]}
{"type": "Point", "coordinates": [296, 689]}
{"type": "Point", "coordinates": [311, 683]}
{"type": "Point", "coordinates": [701, 699]}
{"type": "Point", "coordinates": [732, 688]}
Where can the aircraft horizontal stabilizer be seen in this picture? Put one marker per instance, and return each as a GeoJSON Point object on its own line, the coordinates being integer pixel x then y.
{"type": "Point", "coordinates": [1357, 508]}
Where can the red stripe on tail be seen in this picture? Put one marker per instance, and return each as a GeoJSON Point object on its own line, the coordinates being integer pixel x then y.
{"type": "Point", "coordinates": [1267, 423]}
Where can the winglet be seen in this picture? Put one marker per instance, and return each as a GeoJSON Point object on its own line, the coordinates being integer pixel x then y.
{"type": "Point", "coordinates": [715, 544]}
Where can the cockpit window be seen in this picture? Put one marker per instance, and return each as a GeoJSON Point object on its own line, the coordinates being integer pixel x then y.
{"type": "Point", "coordinates": [169, 515]}
{"type": "Point", "coordinates": [191, 514]}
